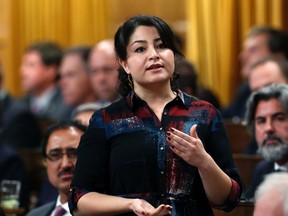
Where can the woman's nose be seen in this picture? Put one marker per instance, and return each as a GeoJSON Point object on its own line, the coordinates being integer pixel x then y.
{"type": "Point", "coordinates": [153, 54]}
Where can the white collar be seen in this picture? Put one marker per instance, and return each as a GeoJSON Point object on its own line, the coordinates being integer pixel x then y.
{"type": "Point", "coordinates": [64, 205]}
{"type": "Point", "coordinates": [283, 167]}
{"type": "Point", "coordinates": [42, 101]}
{"type": "Point", "coordinates": [3, 94]}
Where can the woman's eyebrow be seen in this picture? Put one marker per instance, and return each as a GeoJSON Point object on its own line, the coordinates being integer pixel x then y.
{"type": "Point", "coordinates": [138, 41]}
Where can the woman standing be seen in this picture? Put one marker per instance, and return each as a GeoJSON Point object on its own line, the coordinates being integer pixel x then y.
{"type": "Point", "coordinates": [156, 151]}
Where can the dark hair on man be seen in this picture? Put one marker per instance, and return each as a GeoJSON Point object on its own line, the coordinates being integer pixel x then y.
{"type": "Point", "coordinates": [50, 52]}
{"type": "Point", "coordinates": [124, 33]}
{"type": "Point", "coordinates": [282, 64]}
{"type": "Point", "coordinates": [277, 91]}
{"type": "Point", "coordinates": [82, 51]}
{"type": "Point", "coordinates": [278, 39]}
{"type": "Point", "coordinates": [187, 75]}
{"type": "Point", "coordinates": [58, 126]}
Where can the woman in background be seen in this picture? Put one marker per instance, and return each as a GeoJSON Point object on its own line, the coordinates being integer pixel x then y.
{"type": "Point", "coordinates": [156, 151]}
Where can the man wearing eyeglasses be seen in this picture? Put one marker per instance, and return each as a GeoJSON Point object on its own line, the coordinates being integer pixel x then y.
{"type": "Point", "coordinates": [59, 149]}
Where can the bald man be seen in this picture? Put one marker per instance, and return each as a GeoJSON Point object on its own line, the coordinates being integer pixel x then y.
{"type": "Point", "coordinates": [103, 71]}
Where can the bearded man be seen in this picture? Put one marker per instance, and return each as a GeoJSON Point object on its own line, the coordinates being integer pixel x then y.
{"type": "Point", "coordinates": [267, 120]}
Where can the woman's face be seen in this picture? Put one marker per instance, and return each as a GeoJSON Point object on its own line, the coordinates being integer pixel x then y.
{"type": "Point", "coordinates": [149, 61]}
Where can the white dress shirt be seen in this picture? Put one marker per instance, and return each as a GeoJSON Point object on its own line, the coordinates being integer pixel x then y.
{"type": "Point", "coordinates": [64, 205]}
{"type": "Point", "coordinates": [283, 167]}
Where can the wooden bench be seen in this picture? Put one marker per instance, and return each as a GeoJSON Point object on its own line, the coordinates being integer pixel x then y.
{"type": "Point", "coordinates": [245, 165]}
{"type": "Point", "coordinates": [243, 209]}
{"type": "Point", "coordinates": [14, 212]}
{"type": "Point", "coordinates": [238, 135]}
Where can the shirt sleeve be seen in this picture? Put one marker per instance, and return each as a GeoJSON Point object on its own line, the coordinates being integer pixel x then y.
{"type": "Point", "coordinates": [232, 199]}
{"type": "Point", "coordinates": [91, 168]}
{"type": "Point", "coordinates": [218, 147]}
{"type": "Point", "coordinates": [75, 194]}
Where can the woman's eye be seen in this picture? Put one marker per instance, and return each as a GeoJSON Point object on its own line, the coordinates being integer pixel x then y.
{"type": "Point", "coordinates": [161, 46]}
{"type": "Point", "coordinates": [140, 49]}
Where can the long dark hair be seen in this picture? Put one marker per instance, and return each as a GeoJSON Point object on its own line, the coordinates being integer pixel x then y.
{"type": "Point", "coordinates": [122, 38]}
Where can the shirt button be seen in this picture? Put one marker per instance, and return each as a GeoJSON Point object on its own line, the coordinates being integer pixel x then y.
{"type": "Point", "coordinates": [160, 128]}
{"type": "Point", "coordinates": [161, 148]}
{"type": "Point", "coordinates": [165, 113]}
{"type": "Point", "coordinates": [162, 172]}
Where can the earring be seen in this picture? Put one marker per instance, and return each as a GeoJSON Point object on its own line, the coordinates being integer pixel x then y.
{"type": "Point", "coordinates": [130, 81]}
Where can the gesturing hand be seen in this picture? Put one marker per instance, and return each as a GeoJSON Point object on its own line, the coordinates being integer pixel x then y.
{"type": "Point", "coordinates": [143, 208]}
{"type": "Point", "coordinates": [189, 148]}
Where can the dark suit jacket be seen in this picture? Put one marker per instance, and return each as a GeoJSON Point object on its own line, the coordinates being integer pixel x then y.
{"type": "Point", "coordinates": [1, 212]}
{"type": "Point", "coordinates": [44, 210]}
{"type": "Point", "coordinates": [56, 109]}
{"type": "Point", "coordinates": [47, 192]}
{"type": "Point", "coordinates": [261, 169]}
{"type": "Point", "coordinates": [12, 168]}
{"type": "Point", "coordinates": [237, 107]}
{"type": "Point", "coordinates": [19, 127]}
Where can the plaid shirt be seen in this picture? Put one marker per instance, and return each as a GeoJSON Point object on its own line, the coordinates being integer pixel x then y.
{"type": "Point", "coordinates": [124, 152]}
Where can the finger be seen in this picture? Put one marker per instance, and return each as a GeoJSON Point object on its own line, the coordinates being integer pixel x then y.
{"type": "Point", "coordinates": [193, 131]}
{"type": "Point", "coordinates": [142, 207]}
{"type": "Point", "coordinates": [175, 145]}
{"type": "Point", "coordinates": [180, 134]}
{"type": "Point", "coordinates": [176, 151]}
{"type": "Point", "coordinates": [162, 210]}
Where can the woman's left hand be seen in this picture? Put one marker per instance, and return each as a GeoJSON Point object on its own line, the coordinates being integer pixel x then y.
{"type": "Point", "coordinates": [189, 148]}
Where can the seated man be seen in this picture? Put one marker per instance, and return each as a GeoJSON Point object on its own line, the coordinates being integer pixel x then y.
{"type": "Point", "coordinates": [59, 147]}
{"type": "Point", "coordinates": [104, 71]}
{"type": "Point", "coordinates": [39, 79]}
{"type": "Point", "coordinates": [75, 82]}
{"type": "Point", "coordinates": [272, 196]}
{"type": "Point", "coordinates": [267, 120]}
{"type": "Point", "coordinates": [18, 126]}
{"type": "Point", "coordinates": [264, 72]}
{"type": "Point", "coordinates": [261, 41]}
{"type": "Point", "coordinates": [83, 112]}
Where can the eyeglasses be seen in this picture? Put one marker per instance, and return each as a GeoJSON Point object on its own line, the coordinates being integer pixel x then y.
{"type": "Point", "coordinates": [56, 155]}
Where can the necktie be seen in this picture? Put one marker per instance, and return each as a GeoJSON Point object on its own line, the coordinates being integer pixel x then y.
{"type": "Point", "coordinates": [60, 211]}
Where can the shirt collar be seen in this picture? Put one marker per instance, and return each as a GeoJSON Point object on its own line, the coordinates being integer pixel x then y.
{"type": "Point", "coordinates": [64, 205]}
{"type": "Point", "coordinates": [3, 94]}
{"type": "Point", "coordinates": [43, 101]}
{"type": "Point", "coordinates": [283, 167]}
{"type": "Point", "coordinates": [134, 101]}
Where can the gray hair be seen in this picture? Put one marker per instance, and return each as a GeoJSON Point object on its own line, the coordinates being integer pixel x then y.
{"type": "Point", "coordinates": [277, 91]}
{"type": "Point", "coordinates": [277, 182]}
{"type": "Point", "coordinates": [88, 107]}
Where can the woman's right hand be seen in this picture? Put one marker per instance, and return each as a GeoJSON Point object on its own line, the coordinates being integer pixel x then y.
{"type": "Point", "coordinates": [143, 208]}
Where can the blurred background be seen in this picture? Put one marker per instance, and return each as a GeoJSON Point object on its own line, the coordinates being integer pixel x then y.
{"type": "Point", "coordinates": [211, 31]}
